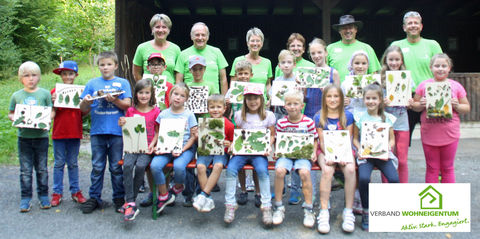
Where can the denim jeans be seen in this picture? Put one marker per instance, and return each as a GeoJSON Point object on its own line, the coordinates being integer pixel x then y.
{"type": "Point", "coordinates": [33, 154]}
{"type": "Point", "coordinates": [365, 172]}
{"type": "Point", "coordinates": [106, 146]}
{"type": "Point", "coordinates": [260, 163]}
{"type": "Point", "coordinates": [134, 166]}
{"type": "Point", "coordinates": [65, 151]}
{"type": "Point", "coordinates": [179, 166]}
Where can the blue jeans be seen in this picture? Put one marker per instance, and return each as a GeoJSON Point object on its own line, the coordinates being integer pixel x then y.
{"type": "Point", "coordinates": [212, 159]}
{"type": "Point", "coordinates": [65, 151]}
{"type": "Point", "coordinates": [365, 172]}
{"type": "Point", "coordinates": [33, 153]}
{"type": "Point", "coordinates": [260, 163]}
{"type": "Point", "coordinates": [179, 166]}
{"type": "Point", "coordinates": [106, 146]}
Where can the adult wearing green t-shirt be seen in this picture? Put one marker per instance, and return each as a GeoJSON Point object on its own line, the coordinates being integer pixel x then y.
{"type": "Point", "coordinates": [161, 26]}
{"type": "Point", "coordinates": [261, 67]}
{"type": "Point", "coordinates": [296, 44]}
{"type": "Point", "coordinates": [216, 62]}
{"type": "Point", "coordinates": [340, 52]}
{"type": "Point", "coordinates": [417, 52]}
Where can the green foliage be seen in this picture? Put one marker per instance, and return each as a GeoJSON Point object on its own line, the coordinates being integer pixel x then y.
{"type": "Point", "coordinates": [217, 135]}
{"type": "Point", "coordinates": [9, 57]}
{"type": "Point", "coordinates": [203, 152]}
{"type": "Point", "coordinates": [301, 153]}
{"type": "Point", "coordinates": [215, 123]}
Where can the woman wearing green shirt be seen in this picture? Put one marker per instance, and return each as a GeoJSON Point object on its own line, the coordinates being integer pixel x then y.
{"type": "Point", "coordinates": [161, 26]}
{"type": "Point", "coordinates": [296, 44]}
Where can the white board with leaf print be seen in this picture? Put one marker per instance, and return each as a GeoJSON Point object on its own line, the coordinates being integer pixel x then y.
{"type": "Point", "coordinates": [211, 134]}
{"type": "Point", "coordinates": [374, 140]}
{"type": "Point", "coordinates": [160, 86]}
{"type": "Point", "coordinates": [294, 145]}
{"type": "Point", "coordinates": [353, 84]}
{"type": "Point", "coordinates": [68, 95]}
{"type": "Point", "coordinates": [279, 89]}
{"type": "Point", "coordinates": [197, 101]}
{"type": "Point", "coordinates": [170, 135]}
{"type": "Point", "coordinates": [251, 141]}
{"type": "Point", "coordinates": [338, 146]}
{"type": "Point", "coordinates": [399, 89]}
{"type": "Point", "coordinates": [134, 135]}
{"type": "Point", "coordinates": [313, 77]}
{"type": "Point", "coordinates": [236, 90]}
{"type": "Point", "coordinates": [439, 100]}
{"type": "Point", "coordinates": [32, 116]}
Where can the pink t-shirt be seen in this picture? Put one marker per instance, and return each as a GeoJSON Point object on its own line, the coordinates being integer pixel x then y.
{"type": "Point", "coordinates": [438, 132]}
{"type": "Point", "coordinates": [149, 120]}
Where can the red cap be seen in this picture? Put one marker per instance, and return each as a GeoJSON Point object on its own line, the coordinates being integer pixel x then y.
{"type": "Point", "coordinates": [156, 55]}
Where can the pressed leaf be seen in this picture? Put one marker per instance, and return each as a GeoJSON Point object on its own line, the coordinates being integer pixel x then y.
{"type": "Point", "coordinates": [60, 98]}
{"type": "Point", "coordinates": [39, 114]}
{"type": "Point", "coordinates": [390, 78]}
{"type": "Point", "coordinates": [67, 99]}
{"type": "Point", "coordinates": [404, 75]}
{"type": "Point", "coordinates": [19, 120]}
{"type": "Point", "coordinates": [126, 132]}
{"type": "Point", "coordinates": [76, 99]}
{"type": "Point", "coordinates": [238, 144]}
{"type": "Point", "coordinates": [42, 125]}
{"type": "Point", "coordinates": [173, 134]}
{"type": "Point", "coordinates": [216, 135]}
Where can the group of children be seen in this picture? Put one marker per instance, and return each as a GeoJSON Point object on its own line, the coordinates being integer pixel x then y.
{"type": "Point", "coordinates": [332, 111]}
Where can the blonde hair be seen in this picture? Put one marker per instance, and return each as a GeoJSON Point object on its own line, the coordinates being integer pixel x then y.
{"type": "Point", "coordinates": [261, 109]}
{"type": "Point", "coordinates": [294, 95]}
{"type": "Point", "coordinates": [385, 67]}
{"type": "Point", "coordinates": [30, 67]}
{"type": "Point", "coordinates": [355, 54]}
{"type": "Point", "coordinates": [160, 17]}
{"type": "Point", "coordinates": [243, 65]}
{"type": "Point", "coordinates": [108, 55]}
{"type": "Point", "coordinates": [179, 86]}
{"type": "Point", "coordinates": [284, 53]}
{"type": "Point", "coordinates": [342, 119]}
{"type": "Point", "coordinates": [216, 98]}
{"type": "Point", "coordinates": [441, 56]}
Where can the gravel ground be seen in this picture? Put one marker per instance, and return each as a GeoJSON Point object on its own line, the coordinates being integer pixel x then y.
{"type": "Point", "coordinates": [67, 221]}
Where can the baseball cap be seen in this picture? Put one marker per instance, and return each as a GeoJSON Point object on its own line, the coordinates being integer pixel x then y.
{"type": "Point", "coordinates": [252, 90]}
{"type": "Point", "coordinates": [156, 55]}
{"type": "Point", "coordinates": [66, 65]}
{"type": "Point", "coordinates": [196, 60]}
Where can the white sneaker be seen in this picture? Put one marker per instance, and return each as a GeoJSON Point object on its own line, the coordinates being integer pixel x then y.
{"type": "Point", "coordinates": [323, 221]}
{"type": "Point", "coordinates": [348, 224]}
{"type": "Point", "coordinates": [199, 202]}
{"type": "Point", "coordinates": [267, 216]}
{"type": "Point", "coordinates": [209, 205]}
{"type": "Point", "coordinates": [278, 215]}
{"type": "Point", "coordinates": [308, 218]}
{"type": "Point", "coordinates": [229, 213]}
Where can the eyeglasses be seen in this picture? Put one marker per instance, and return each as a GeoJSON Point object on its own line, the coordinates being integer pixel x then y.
{"type": "Point", "coordinates": [156, 65]}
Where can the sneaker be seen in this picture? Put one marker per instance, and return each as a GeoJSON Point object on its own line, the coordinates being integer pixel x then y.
{"type": "Point", "coordinates": [25, 205]}
{"type": "Point", "coordinates": [242, 198]}
{"type": "Point", "coordinates": [365, 221]}
{"type": "Point", "coordinates": [229, 213]}
{"type": "Point", "coordinates": [267, 216]}
{"type": "Point", "coordinates": [78, 197]}
{"type": "Point", "coordinates": [348, 224]}
{"type": "Point", "coordinates": [118, 203]}
{"type": "Point", "coordinates": [209, 205]}
{"type": "Point", "coordinates": [278, 215]}
{"type": "Point", "coordinates": [295, 198]}
{"type": "Point", "coordinates": [308, 218]}
{"type": "Point", "coordinates": [148, 201]}
{"type": "Point", "coordinates": [56, 199]}
{"type": "Point", "coordinates": [258, 202]}
{"type": "Point", "coordinates": [199, 202]}
{"type": "Point", "coordinates": [131, 211]}
{"type": "Point", "coordinates": [162, 203]}
{"type": "Point", "coordinates": [89, 206]}
{"type": "Point", "coordinates": [188, 202]}
{"type": "Point", "coordinates": [216, 188]}
{"type": "Point", "coordinates": [323, 221]}
{"type": "Point", "coordinates": [141, 189]}
{"type": "Point", "coordinates": [44, 202]}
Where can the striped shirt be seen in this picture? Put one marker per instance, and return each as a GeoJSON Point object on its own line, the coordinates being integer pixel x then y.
{"type": "Point", "coordinates": [305, 125]}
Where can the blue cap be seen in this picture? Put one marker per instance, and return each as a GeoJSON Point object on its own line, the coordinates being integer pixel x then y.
{"type": "Point", "coordinates": [66, 65]}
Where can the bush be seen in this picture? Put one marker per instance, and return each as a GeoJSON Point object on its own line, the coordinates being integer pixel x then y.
{"type": "Point", "coordinates": [9, 55]}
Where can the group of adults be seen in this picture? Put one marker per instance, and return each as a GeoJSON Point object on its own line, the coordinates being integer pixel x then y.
{"type": "Point", "coordinates": [417, 52]}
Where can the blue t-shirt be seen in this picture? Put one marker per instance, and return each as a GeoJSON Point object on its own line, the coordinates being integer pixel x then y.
{"type": "Point", "coordinates": [191, 121]}
{"type": "Point", "coordinates": [333, 124]}
{"type": "Point", "coordinates": [313, 99]}
{"type": "Point", "coordinates": [105, 114]}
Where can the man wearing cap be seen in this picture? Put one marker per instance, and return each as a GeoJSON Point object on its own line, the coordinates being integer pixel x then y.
{"type": "Point", "coordinates": [340, 52]}
{"type": "Point", "coordinates": [216, 62]}
{"type": "Point", "coordinates": [417, 52]}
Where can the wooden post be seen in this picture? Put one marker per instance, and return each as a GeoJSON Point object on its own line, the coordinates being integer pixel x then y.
{"type": "Point", "coordinates": [326, 6]}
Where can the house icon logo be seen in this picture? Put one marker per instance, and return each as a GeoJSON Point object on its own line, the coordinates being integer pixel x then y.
{"type": "Point", "coordinates": [430, 198]}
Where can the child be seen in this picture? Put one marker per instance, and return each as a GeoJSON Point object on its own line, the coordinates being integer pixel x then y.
{"type": "Point", "coordinates": [66, 135]}
{"type": "Point", "coordinates": [32, 143]}
{"type": "Point", "coordinates": [373, 98]}
{"type": "Point", "coordinates": [178, 96]}
{"type": "Point", "coordinates": [440, 136]}
{"type": "Point", "coordinates": [286, 63]}
{"type": "Point", "coordinates": [332, 116]}
{"type": "Point", "coordinates": [144, 105]}
{"type": "Point", "coordinates": [358, 65]}
{"type": "Point", "coordinates": [204, 202]}
{"type": "Point", "coordinates": [392, 60]}
{"type": "Point", "coordinates": [295, 122]}
{"type": "Point", "coordinates": [197, 66]}
{"type": "Point", "coordinates": [105, 134]}
{"type": "Point", "coordinates": [252, 116]}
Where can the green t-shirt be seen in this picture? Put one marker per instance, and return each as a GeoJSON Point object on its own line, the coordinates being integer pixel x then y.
{"type": "Point", "coordinates": [215, 62]}
{"type": "Point", "coordinates": [209, 84]}
{"type": "Point", "coordinates": [41, 97]}
{"type": "Point", "coordinates": [301, 63]}
{"type": "Point", "coordinates": [339, 55]}
{"type": "Point", "coordinates": [170, 54]}
{"type": "Point", "coordinates": [261, 72]}
{"type": "Point", "coordinates": [417, 58]}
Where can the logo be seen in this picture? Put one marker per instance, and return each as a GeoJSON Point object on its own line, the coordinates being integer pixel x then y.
{"type": "Point", "coordinates": [430, 198]}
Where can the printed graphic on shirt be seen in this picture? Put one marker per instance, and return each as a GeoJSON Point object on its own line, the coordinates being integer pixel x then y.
{"type": "Point", "coordinates": [211, 134]}
{"type": "Point", "coordinates": [294, 145]}
{"type": "Point", "coordinates": [32, 116]}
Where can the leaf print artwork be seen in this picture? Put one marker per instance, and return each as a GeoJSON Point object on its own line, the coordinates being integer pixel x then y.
{"type": "Point", "coordinates": [279, 89]}
{"type": "Point", "coordinates": [32, 116]}
{"type": "Point", "coordinates": [236, 90]}
{"type": "Point", "coordinates": [211, 134]}
{"type": "Point", "coordinates": [374, 140]}
{"type": "Point", "coordinates": [313, 77]}
{"type": "Point", "coordinates": [170, 135]}
{"type": "Point", "coordinates": [438, 96]}
{"type": "Point", "coordinates": [338, 146]}
{"type": "Point", "coordinates": [134, 135]}
{"type": "Point", "coordinates": [354, 84]}
{"type": "Point", "coordinates": [298, 145]}
{"type": "Point", "coordinates": [399, 87]}
{"type": "Point", "coordinates": [160, 86]}
{"type": "Point", "coordinates": [251, 141]}
{"type": "Point", "coordinates": [68, 95]}
{"type": "Point", "coordinates": [197, 101]}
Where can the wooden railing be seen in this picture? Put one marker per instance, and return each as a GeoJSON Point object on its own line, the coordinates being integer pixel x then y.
{"type": "Point", "coordinates": [471, 83]}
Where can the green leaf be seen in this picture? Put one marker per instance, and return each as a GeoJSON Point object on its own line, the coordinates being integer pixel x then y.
{"type": "Point", "coordinates": [76, 99]}
{"type": "Point", "coordinates": [404, 87]}
{"type": "Point", "coordinates": [161, 139]}
{"type": "Point", "coordinates": [217, 135]}
{"type": "Point", "coordinates": [330, 150]}
{"type": "Point", "coordinates": [173, 134]}
{"type": "Point", "coordinates": [238, 144]}
{"type": "Point", "coordinates": [60, 98]}
{"type": "Point", "coordinates": [282, 144]}
{"type": "Point", "coordinates": [290, 144]}
{"type": "Point", "coordinates": [39, 114]}
{"type": "Point", "coordinates": [236, 91]}
{"type": "Point", "coordinates": [19, 120]}
{"type": "Point", "coordinates": [404, 75]}
{"type": "Point", "coordinates": [67, 99]}
{"type": "Point", "coordinates": [126, 132]}
{"type": "Point", "coordinates": [42, 125]}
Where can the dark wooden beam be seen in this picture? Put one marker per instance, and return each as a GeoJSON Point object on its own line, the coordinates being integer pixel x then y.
{"type": "Point", "coordinates": [244, 7]}
{"type": "Point", "coordinates": [218, 7]}
{"type": "Point", "coordinates": [326, 6]}
{"type": "Point", "coordinates": [271, 6]}
{"type": "Point", "coordinates": [191, 7]}
{"type": "Point", "coordinates": [298, 8]}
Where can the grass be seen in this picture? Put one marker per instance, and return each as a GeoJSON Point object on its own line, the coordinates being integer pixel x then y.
{"type": "Point", "coordinates": [8, 134]}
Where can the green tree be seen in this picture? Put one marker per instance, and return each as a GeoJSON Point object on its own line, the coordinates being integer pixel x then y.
{"type": "Point", "coordinates": [9, 57]}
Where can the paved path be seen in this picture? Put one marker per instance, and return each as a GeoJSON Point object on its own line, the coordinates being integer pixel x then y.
{"type": "Point", "coordinates": [67, 221]}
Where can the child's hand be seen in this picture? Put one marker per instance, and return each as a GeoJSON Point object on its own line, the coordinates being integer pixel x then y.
{"type": "Point", "coordinates": [455, 104]}
{"type": "Point", "coordinates": [410, 103]}
{"type": "Point", "coordinates": [269, 151]}
{"type": "Point", "coordinates": [423, 102]}
{"type": "Point", "coordinates": [386, 101]}
{"type": "Point", "coordinates": [88, 99]}
{"type": "Point", "coordinates": [151, 148]}
{"type": "Point", "coordinates": [111, 98]}
{"type": "Point", "coordinates": [54, 97]}
{"type": "Point", "coordinates": [268, 103]}
{"type": "Point", "coordinates": [227, 100]}
{"type": "Point", "coordinates": [227, 143]}
{"type": "Point", "coordinates": [346, 101]}
{"type": "Point", "coordinates": [121, 121]}
{"type": "Point", "coordinates": [176, 154]}
{"type": "Point", "coordinates": [314, 157]}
